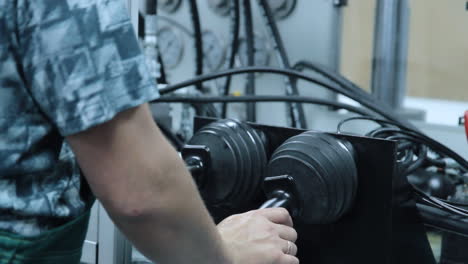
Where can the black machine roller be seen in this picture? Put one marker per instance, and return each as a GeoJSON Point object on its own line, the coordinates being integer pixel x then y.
{"type": "Point", "coordinates": [228, 161]}
{"type": "Point", "coordinates": [315, 176]}
{"type": "Point", "coordinates": [312, 174]}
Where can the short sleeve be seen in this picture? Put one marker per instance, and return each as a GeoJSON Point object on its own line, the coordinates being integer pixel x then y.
{"type": "Point", "coordinates": [81, 60]}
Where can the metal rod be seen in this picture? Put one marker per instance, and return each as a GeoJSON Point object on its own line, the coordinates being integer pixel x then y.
{"type": "Point", "coordinates": [390, 52]}
{"type": "Point", "coordinates": [278, 199]}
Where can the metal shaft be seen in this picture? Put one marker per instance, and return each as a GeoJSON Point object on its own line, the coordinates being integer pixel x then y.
{"type": "Point", "coordinates": [278, 199]}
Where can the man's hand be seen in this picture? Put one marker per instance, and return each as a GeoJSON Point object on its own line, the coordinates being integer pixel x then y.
{"type": "Point", "coordinates": [263, 236]}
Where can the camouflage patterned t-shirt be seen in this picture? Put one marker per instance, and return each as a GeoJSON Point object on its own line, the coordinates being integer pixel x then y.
{"type": "Point", "coordinates": [65, 66]}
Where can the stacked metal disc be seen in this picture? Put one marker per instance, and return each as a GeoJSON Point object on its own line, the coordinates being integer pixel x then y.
{"type": "Point", "coordinates": [324, 170]}
{"type": "Point", "coordinates": [238, 163]}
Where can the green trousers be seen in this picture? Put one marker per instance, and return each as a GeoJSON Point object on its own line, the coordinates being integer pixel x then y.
{"type": "Point", "coordinates": [62, 245]}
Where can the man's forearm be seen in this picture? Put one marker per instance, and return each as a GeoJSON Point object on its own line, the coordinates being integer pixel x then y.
{"type": "Point", "coordinates": [146, 189]}
{"type": "Point", "coordinates": [178, 228]}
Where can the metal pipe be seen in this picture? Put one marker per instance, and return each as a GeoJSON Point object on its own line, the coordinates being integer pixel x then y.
{"type": "Point", "coordinates": [390, 52]}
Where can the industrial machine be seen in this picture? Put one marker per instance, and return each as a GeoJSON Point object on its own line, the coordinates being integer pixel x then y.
{"type": "Point", "coordinates": [345, 192]}
{"type": "Point", "coordinates": [337, 203]}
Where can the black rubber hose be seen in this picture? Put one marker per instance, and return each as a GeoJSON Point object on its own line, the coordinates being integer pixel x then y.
{"type": "Point", "coordinates": [296, 110]}
{"type": "Point", "coordinates": [367, 100]}
{"type": "Point", "coordinates": [260, 98]}
{"type": "Point", "coordinates": [435, 162]}
{"type": "Point", "coordinates": [439, 203]}
{"type": "Point", "coordinates": [382, 123]}
{"type": "Point", "coordinates": [235, 28]}
{"type": "Point", "coordinates": [421, 154]}
{"type": "Point", "coordinates": [195, 16]}
{"type": "Point", "coordinates": [208, 110]}
{"type": "Point", "coordinates": [443, 220]}
{"type": "Point", "coordinates": [419, 162]}
{"type": "Point", "coordinates": [250, 41]}
{"type": "Point", "coordinates": [329, 74]}
{"type": "Point", "coordinates": [429, 142]}
{"type": "Point", "coordinates": [198, 37]}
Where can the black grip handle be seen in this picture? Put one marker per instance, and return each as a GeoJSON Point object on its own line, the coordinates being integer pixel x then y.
{"type": "Point", "coordinates": [282, 192]}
